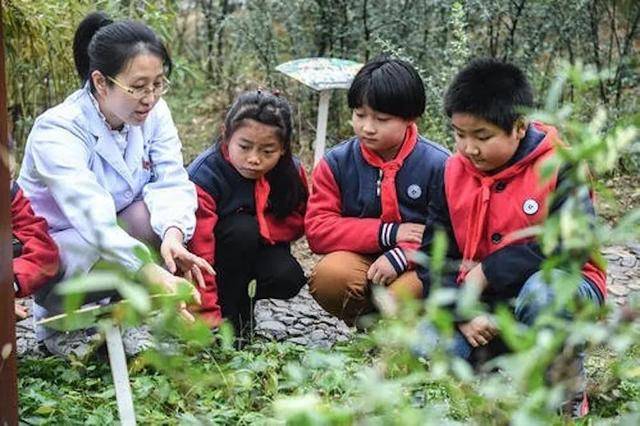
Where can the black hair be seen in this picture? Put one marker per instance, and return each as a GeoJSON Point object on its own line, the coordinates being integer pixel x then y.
{"type": "Point", "coordinates": [388, 85]}
{"type": "Point", "coordinates": [493, 90]}
{"type": "Point", "coordinates": [107, 46]}
{"type": "Point", "coordinates": [287, 191]}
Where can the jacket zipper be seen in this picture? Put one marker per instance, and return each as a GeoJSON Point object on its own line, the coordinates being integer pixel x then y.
{"type": "Point", "coordinates": [379, 182]}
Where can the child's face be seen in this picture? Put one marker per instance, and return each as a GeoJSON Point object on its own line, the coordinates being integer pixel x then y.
{"type": "Point", "coordinates": [486, 145]}
{"type": "Point", "coordinates": [254, 149]}
{"type": "Point", "coordinates": [380, 132]}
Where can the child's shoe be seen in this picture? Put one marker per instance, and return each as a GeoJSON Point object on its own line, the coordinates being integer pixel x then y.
{"type": "Point", "coordinates": [577, 407]}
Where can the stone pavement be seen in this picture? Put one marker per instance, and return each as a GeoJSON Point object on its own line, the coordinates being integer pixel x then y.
{"type": "Point", "coordinates": [300, 320]}
{"type": "Point", "coordinates": [623, 272]}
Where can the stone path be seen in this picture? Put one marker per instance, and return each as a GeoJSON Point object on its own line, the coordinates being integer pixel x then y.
{"type": "Point", "coordinates": [623, 272]}
{"type": "Point", "coordinates": [300, 320]}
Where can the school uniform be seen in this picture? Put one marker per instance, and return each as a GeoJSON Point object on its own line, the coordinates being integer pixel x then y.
{"type": "Point", "coordinates": [238, 234]}
{"type": "Point", "coordinates": [482, 214]}
{"type": "Point", "coordinates": [79, 173]}
{"type": "Point", "coordinates": [358, 201]}
{"type": "Point", "coordinates": [35, 255]}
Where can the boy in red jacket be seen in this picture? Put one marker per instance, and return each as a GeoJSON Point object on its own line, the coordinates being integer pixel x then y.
{"type": "Point", "coordinates": [492, 188]}
{"type": "Point", "coordinates": [370, 193]}
{"type": "Point", "coordinates": [35, 255]}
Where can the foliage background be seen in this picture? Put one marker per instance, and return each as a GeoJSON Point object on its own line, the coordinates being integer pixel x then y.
{"type": "Point", "coordinates": [222, 47]}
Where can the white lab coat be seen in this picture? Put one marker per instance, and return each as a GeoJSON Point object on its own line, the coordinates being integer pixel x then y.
{"type": "Point", "coordinates": [77, 179]}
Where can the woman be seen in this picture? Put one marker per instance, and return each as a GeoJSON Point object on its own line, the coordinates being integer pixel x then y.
{"type": "Point", "coordinates": [110, 153]}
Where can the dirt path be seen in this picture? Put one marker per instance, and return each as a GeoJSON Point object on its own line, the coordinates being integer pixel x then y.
{"type": "Point", "coordinates": [300, 320]}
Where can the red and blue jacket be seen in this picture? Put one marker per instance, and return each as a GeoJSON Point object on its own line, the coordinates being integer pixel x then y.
{"type": "Point", "coordinates": [35, 254]}
{"type": "Point", "coordinates": [483, 214]}
{"type": "Point", "coordinates": [222, 191]}
{"type": "Point", "coordinates": [358, 200]}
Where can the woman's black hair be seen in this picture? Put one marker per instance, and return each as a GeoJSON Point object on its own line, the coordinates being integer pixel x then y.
{"type": "Point", "coordinates": [107, 46]}
{"type": "Point", "coordinates": [490, 89]}
{"type": "Point", "coordinates": [287, 191]}
{"type": "Point", "coordinates": [388, 85]}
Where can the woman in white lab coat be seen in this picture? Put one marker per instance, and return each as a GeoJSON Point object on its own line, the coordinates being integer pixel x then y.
{"type": "Point", "coordinates": [110, 153]}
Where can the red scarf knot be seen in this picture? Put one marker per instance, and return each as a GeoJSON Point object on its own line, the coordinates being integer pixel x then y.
{"type": "Point", "coordinates": [389, 169]}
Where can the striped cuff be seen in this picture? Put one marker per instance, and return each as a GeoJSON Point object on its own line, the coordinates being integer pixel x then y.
{"type": "Point", "coordinates": [387, 235]}
{"type": "Point", "coordinates": [398, 259]}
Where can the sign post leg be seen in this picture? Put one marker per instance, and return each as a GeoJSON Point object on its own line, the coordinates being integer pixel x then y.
{"type": "Point", "coordinates": [321, 127]}
{"type": "Point", "coordinates": [120, 375]}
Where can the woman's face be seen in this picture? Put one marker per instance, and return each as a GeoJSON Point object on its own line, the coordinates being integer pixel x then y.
{"type": "Point", "coordinates": [254, 149]}
{"type": "Point", "coordinates": [144, 70]}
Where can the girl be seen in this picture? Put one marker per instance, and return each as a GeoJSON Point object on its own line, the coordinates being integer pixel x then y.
{"type": "Point", "coordinates": [371, 193]}
{"type": "Point", "coordinates": [110, 152]}
{"type": "Point", "coordinates": [252, 195]}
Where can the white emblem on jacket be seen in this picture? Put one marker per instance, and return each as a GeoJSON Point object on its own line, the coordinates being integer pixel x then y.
{"type": "Point", "coordinates": [530, 206]}
{"type": "Point", "coordinates": [414, 192]}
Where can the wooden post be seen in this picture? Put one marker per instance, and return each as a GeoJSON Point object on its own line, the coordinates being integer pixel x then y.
{"type": "Point", "coordinates": [8, 378]}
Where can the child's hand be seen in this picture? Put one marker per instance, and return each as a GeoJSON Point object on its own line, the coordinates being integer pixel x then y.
{"type": "Point", "coordinates": [21, 311]}
{"type": "Point", "coordinates": [154, 274]}
{"type": "Point", "coordinates": [410, 232]}
{"type": "Point", "coordinates": [381, 271]}
{"type": "Point", "coordinates": [476, 275]}
{"type": "Point", "coordinates": [178, 259]}
{"type": "Point", "coordinates": [479, 331]}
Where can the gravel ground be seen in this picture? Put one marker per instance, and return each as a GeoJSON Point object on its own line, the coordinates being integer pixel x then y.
{"type": "Point", "coordinates": [300, 320]}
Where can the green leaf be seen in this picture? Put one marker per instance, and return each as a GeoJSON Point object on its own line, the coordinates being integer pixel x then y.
{"type": "Point", "coordinates": [92, 282]}
{"type": "Point", "coordinates": [137, 296]}
{"type": "Point", "coordinates": [251, 289]}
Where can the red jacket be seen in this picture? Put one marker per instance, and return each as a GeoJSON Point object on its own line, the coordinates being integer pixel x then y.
{"type": "Point", "coordinates": [36, 261]}
{"type": "Point", "coordinates": [217, 184]}
{"type": "Point", "coordinates": [487, 211]}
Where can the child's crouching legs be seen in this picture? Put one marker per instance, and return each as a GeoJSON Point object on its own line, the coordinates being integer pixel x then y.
{"type": "Point", "coordinates": [278, 273]}
{"type": "Point", "coordinates": [407, 285]}
{"type": "Point", "coordinates": [339, 284]}
{"type": "Point", "coordinates": [536, 296]}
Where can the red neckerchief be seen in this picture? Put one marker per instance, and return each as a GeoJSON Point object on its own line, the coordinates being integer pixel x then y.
{"type": "Point", "coordinates": [261, 190]}
{"type": "Point", "coordinates": [261, 195]}
{"type": "Point", "coordinates": [477, 217]}
{"type": "Point", "coordinates": [388, 195]}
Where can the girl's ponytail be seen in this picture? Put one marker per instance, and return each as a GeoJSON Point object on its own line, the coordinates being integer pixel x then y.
{"type": "Point", "coordinates": [87, 28]}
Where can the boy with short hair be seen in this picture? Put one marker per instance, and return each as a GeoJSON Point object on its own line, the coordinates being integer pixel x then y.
{"type": "Point", "coordinates": [370, 193]}
{"type": "Point", "coordinates": [492, 188]}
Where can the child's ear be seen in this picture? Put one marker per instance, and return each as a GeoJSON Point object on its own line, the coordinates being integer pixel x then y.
{"type": "Point", "coordinates": [521, 127]}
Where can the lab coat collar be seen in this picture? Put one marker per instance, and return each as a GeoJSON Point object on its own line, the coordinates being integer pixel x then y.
{"type": "Point", "coordinates": [106, 146]}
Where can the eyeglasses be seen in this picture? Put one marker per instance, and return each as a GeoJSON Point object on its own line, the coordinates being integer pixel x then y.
{"type": "Point", "coordinates": [158, 89]}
